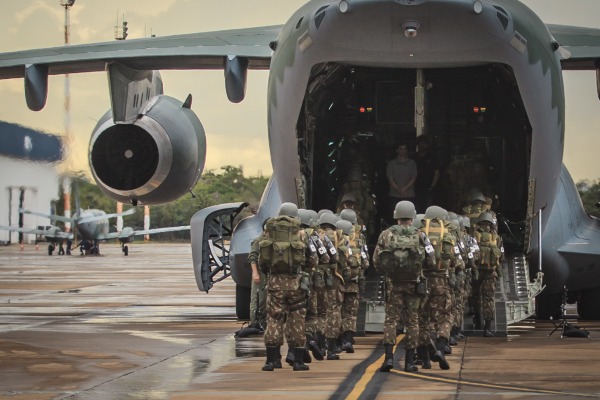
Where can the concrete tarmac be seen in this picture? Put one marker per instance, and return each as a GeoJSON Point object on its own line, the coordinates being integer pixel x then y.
{"type": "Point", "coordinates": [136, 327]}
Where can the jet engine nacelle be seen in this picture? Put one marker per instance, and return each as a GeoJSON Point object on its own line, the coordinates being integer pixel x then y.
{"type": "Point", "coordinates": [155, 159]}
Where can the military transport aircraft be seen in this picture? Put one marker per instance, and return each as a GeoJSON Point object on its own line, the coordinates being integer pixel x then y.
{"type": "Point", "coordinates": [91, 225]}
{"type": "Point", "coordinates": [348, 80]}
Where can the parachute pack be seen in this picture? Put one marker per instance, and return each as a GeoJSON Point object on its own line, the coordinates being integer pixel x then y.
{"type": "Point", "coordinates": [490, 253]}
{"type": "Point", "coordinates": [402, 256]}
{"type": "Point", "coordinates": [442, 241]}
{"type": "Point", "coordinates": [282, 251]}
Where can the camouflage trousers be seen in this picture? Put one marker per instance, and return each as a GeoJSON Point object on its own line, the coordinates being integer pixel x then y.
{"type": "Point", "coordinates": [488, 297]}
{"type": "Point", "coordinates": [459, 300]}
{"type": "Point", "coordinates": [258, 301]}
{"type": "Point", "coordinates": [316, 314]}
{"type": "Point", "coordinates": [402, 302]}
{"type": "Point", "coordinates": [334, 299]}
{"type": "Point", "coordinates": [286, 312]}
{"type": "Point", "coordinates": [436, 313]}
{"type": "Point", "coordinates": [350, 309]}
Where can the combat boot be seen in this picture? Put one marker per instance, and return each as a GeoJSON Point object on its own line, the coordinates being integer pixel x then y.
{"type": "Point", "coordinates": [453, 341]}
{"type": "Point", "coordinates": [331, 354]}
{"type": "Point", "coordinates": [388, 363]}
{"type": "Point", "coordinates": [440, 345]}
{"type": "Point", "coordinates": [289, 358]}
{"type": "Point", "coordinates": [271, 355]}
{"type": "Point", "coordinates": [298, 359]}
{"type": "Point", "coordinates": [306, 358]}
{"type": "Point", "coordinates": [277, 359]}
{"type": "Point", "coordinates": [347, 342]}
{"type": "Point", "coordinates": [424, 356]}
{"type": "Point", "coordinates": [322, 343]}
{"type": "Point", "coordinates": [313, 346]}
{"type": "Point", "coordinates": [409, 359]}
{"type": "Point", "coordinates": [486, 329]}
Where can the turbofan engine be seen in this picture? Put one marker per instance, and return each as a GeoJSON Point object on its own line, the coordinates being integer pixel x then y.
{"type": "Point", "coordinates": [155, 159]}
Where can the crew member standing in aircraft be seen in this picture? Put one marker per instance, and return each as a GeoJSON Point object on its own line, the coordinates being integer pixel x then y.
{"type": "Point", "coordinates": [401, 173]}
{"type": "Point", "coordinates": [428, 174]}
{"type": "Point", "coordinates": [283, 258]}
{"type": "Point", "coordinates": [489, 268]}
{"type": "Point", "coordinates": [400, 253]}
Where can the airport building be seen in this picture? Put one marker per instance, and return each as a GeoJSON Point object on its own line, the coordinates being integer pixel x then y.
{"type": "Point", "coordinates": [29, 178]}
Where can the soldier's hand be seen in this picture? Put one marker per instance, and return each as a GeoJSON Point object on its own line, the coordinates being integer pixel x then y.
{"type": "Point", "coordinates": [255, 277]}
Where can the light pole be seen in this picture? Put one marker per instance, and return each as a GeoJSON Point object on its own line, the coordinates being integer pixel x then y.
{"type": "Point", "coordinates": [67, 4]}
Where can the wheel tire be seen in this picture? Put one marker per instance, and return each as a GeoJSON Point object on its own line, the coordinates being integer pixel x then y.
{"type": "Point", "coordinates": [588, 306]}
{"type": "Point", "coordinates": [242, 302]}
{"type": "Point", "coordinates": [548, 306]}
{"type": "Point", "coordinates": [50, 250]}
{"type": "Point", "coordinates": [126, 250]}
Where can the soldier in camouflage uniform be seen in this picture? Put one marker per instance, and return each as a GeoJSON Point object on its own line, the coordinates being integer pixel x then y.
{"type": "Point", "coordinates": [353, 260]}
{"type": "Point", "coordinates": [334, 283]}
{"type": "Point", "coordinates": [462, 270]}
{"type": "Point", "coordinates": [475, 208]}
{"type": "Point", "coordinates": [437, 312]}
{"type": "Point", "coordinates": [258, 298]}
{"type": "Point", "coordinates": [283, 257]}
{"type": "Point", "coordinates": [403, 297]}
{"type": "Point", "coordinates": [489, 267]}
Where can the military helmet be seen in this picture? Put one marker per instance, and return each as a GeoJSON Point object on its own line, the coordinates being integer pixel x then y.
{"type": "Point", "coordinates": [314, 217]}
{"type": "Point", "coordinates": [452, 215]}
{"type": "Point", "coordinates": [345, 226]}
{"type": "Point", "coordinates": [288, 209]}
{"type": "Point", "coordinates": [455, 222]}
{"type": "Point", "coordinates": [485, 217]}
{"type": "Point", "coordinates": [466, 221]}
{"type": "Point", "coordinates": [305, 216]}
{"type": "Point", "coordinates": [405, 209]}
{"type": "Point", "coordinates": [349, 197]}
{"type": "Point", "coordinates": [328, 218]}
{"type": "Point", "coordinates": [461, 222]}
{"type": "Point", "coordinates": [324, 211]}
{"type": "Point", "coordinates": [435, 212]}
{"type": "Point", "coordinates": [348, 215]}
{"type": "Point", "coordinates": [418, 221]}
{"type": "Point", "coordinates": [476, 195]}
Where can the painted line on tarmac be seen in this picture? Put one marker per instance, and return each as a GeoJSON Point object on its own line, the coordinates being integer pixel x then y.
{"type": "Point", "coordinates": [489, 385]}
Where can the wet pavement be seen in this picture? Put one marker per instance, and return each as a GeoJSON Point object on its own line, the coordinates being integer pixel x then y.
{"type": "Point", "coordinates": [136, 327]}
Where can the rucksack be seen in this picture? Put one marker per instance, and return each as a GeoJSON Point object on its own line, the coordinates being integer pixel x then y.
{"type": "Point", "coordinates": [442, 241]}
{"type": "Point", "coordinates": [282, 251]}
{"type": "Point", "coordinates": [490, 253]}
{"type": "Point", "coordinates": [402, 257]}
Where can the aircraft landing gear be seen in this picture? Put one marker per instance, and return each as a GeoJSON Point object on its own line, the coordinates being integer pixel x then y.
{"type": "Point", "coordinates": [125, 250]}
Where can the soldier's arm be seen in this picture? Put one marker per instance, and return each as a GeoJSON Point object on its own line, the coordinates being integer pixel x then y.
{"type": "Point", "coordinates": [253, 259]}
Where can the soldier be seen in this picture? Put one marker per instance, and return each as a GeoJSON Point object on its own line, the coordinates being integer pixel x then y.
{"type": "Point", "coordinates": [489, 267]}
{"type": "Point", "coordinates": [460, 290]}
{"type": "Point", "coordinates": [475, 208]}
{"type": "Point", "coordinates": [353, 260]}
{"type": "Point", "coordinates": [258, 298]}
{"type": "Point", "coordinates": [359, 236]}
{"type": "Point", "coordinates": [438, 310]}
{"type": "Point", "coordinates": [333, 283]}
{"type": "Point", "coordinates": [316, 311]}
{"type": "Point", "coordinates": [283, 257]}
{"type": "Point", "coordinates": [400, 253]}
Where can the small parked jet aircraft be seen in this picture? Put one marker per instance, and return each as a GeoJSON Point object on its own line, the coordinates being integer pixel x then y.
{"type": "Point", "coordinates": [90, 225]}
{"type": "Point", "coordinates": [348, 80]}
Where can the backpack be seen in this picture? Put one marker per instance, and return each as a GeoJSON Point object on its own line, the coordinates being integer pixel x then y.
{"type": "Point", "coordinates": [282, 251]}
{"type": "Point", "coordinates": [442, 241]}
{"type": "Point", "coordinates": [490, 253]}
{"type": "Point", "coordinates": [402, 257]}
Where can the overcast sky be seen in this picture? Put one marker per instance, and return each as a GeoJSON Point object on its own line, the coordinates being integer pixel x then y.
{"type": "Point", "coordinates": [236, 133]}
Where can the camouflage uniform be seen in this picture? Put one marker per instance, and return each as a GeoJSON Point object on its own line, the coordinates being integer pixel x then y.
{"type": "Point", "coordinates": [258, 297]}
{"type": "Point", "coordinates": [489, 270]}
{"type": "Point", "coordinates": [286, 304]}
{"type": "Point", "coordinates": [357, 261]}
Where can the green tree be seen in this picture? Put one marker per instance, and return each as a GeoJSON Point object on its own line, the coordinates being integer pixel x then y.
{"type": "Point", "coordinates": [590, 195]}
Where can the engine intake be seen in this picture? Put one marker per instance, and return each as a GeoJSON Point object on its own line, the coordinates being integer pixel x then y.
{"type": "Point", "coordinates": [154, 160]}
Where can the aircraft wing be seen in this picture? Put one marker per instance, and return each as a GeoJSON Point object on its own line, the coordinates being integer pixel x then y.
{"type": "Point", "coordinates": [582, 43]}
{"type": "Point", "coordinates": [33, 231]}
{"type": "Point", "coordinates": [204, 50]}
{"type": "Point", "coordinates": [50, 217]}
{"type": "Point", "coordinates": [106, 216]}
{"type": "Point", "coordinates": [129, 233]}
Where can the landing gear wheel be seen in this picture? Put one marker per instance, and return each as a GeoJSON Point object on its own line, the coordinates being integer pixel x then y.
{"type": "Point", "coordinates": [242, 302]}
{"type": "Point", "coordinates": [125, 250]}
{"type": "Point", "coordinates": [549, 306]}
{"type": "Point", "coordinates": [588, 306]}
{"type": "Point", "coordinates": [50, 249]}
